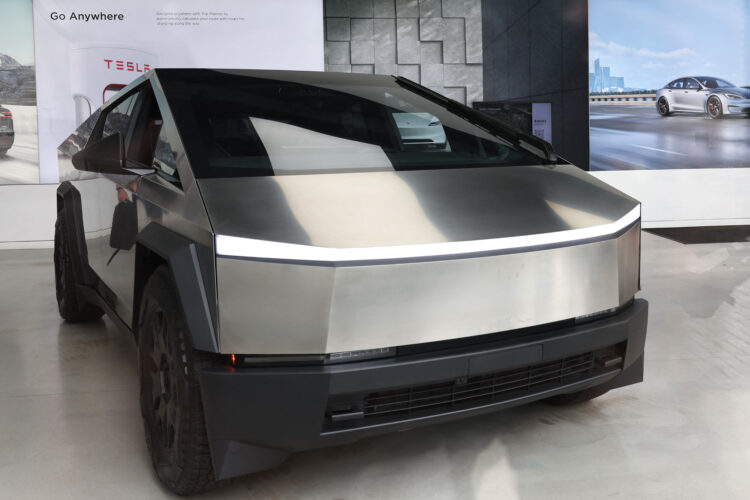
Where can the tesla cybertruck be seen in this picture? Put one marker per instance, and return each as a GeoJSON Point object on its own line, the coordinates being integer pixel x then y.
{"type": "Point", "coordinates": [703, 94]}
{"type": "Point", "coordinates": [299, 271]}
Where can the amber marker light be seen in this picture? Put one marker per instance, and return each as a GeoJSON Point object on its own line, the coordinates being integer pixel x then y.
{"type": "Point", "coordinates": [233, 359]}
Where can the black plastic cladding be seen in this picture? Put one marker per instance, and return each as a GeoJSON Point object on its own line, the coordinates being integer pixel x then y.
{"type": "Point", "coordinates": [69, 207]}
{"type": "Point", "coordinates": [287, 410]}
{"type": "Point", "coordinates": [192, 269]}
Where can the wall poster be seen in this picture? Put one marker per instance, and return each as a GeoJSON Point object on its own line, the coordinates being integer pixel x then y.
{"type": "Point", "coordinates": [87, 50]}
{"type": "Point", "coordinates": [669, 84]}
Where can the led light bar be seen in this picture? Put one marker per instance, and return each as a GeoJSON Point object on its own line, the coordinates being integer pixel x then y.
{"type": "Point", "coordinates": [232, 246]}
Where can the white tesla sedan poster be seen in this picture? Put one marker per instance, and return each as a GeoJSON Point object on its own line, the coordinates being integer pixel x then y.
{"type": "Point", "coordinates": [668, 84]}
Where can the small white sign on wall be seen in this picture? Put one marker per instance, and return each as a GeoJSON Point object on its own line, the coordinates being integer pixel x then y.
{"type": "Point", "coordinates": [541, 120]}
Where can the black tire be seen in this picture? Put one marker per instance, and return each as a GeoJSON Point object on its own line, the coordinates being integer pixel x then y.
{"type": "Point", "coordinates": [72, 307]}
{"type": "Point", "coordinates": [2, 152]}
{"type": "Point", "coordinates": [713, 107]}
{"type": "Point", "coordinates": [576, 397]}
{"type": "Point", "coordinates": [170, 396]}
{"type": "Point", "coordinates": [663, 107]}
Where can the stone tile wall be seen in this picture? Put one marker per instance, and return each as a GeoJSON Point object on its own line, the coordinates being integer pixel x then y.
{"type": "Point", "coordinates": [437, 43]}
{"type": "Point", "coordinates": [537, 51]}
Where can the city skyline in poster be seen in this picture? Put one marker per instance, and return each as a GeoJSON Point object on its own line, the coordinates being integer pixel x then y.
{"type": "Point", "coordinates": [649, 43]}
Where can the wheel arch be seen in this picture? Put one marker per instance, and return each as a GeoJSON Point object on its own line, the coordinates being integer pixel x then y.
{"type": "Point", "coordinates": [69, 208]}
{"type": "Point", "coordinates": [659, 97]}
{"type": "Point", "coordinates": [192, 267]}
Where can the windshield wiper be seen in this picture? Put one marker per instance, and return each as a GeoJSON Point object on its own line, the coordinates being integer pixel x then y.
{"type": "Point", "coordinates": [530, 143]}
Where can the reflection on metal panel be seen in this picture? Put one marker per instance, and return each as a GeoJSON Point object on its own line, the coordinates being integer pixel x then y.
{"type": "Point", "coordinates": [259, 249]}
{"type": "Point", "coordinates": [629, 263]}
{"type": "Point", "coordinates": [267, 308]}
{"type": "Point", "coordinates": [381, 209]}
{"type": "Point", "coordinates": [293, 149]}
{"type": "Point", "coordinates": [274, 308]}
{"type": "Point", "coordinates": [401, 304]}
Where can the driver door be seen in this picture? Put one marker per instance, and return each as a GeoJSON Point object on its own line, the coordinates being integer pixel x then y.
{"type": "Point", "coordinates": [111, 208]}
{"type": "Point", "coordinates": [677, 93]}
{"type": "Point", "coordinates": [693, 96]}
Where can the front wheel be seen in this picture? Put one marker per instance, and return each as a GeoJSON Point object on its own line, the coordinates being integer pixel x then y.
{"type": "Point", "coordinates": [663, 106]}
{"type": "Point", "coordinates": [714, 107]}
{"type": "Point", "coordinates": [170, 395]}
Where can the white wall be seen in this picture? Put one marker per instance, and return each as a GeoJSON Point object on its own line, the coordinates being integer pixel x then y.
{"type": "Point", "coordinates": [681, 198]}
{"type": "Point", "coordinates": [27, 215]}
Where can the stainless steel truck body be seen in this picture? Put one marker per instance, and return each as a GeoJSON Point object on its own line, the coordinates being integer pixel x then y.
{"type": "Point", "coordinates": [309, 258]}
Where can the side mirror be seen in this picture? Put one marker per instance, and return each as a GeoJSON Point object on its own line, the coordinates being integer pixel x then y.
{"type": "Point", "coordinates": [106, 156]}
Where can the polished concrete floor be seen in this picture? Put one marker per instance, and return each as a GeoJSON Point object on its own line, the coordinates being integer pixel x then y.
{"type": "Point", "coordinates": [70, 425]}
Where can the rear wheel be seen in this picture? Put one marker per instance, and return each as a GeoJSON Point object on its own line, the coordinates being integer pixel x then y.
{"type": "Point", "coordinates": [714, 107]}
{"type": "Point", "coordinates": [71, 306]}
{"type": "Point", "coordinates": [576, 397]}
{"type": "Point", "coordinates": [2, 152]}
{"type": "Point", "coordinates": [663, 106]}
{"type": "Point", "coordinates": [169, 391]}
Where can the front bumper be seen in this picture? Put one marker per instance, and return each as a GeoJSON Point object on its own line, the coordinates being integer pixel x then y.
{"type": "Point", "coordinates": [738, 106]}
{"type": "Point", "coordinates": [256, 416]}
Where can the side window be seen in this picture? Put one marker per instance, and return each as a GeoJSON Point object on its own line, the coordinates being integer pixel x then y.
{"type": "Point", "coordinates": [677, 84]}
{"type": "Point", "coordinates": [118, 118]}
{"type": "Point", "coordinates": [164, 159]}
{"type": "Point", "coordinates": [149, 146]}
{"type": "Point", "coordinates": [691, 84]}
{"type": "Point", "coordinates": [78, 139]}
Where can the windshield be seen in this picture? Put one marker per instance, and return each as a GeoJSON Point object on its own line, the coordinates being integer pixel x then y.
{"type": "Point", "coordinates": [237, 125]}
{"type": "Point", "coordinates": [714, 83]}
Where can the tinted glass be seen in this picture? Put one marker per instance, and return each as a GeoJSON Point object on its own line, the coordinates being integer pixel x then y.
{"type": "Point", "coordinates": [677, 84]}
{"type": "Point", "coordinates": [714, 83]}
{"type": "Point", "coordinates": [165, 158]}
{"type": "Point", "coordinates": [236, 125]}
{"type": "Point", "coordinates": [144, 130]}
{"type": "Point", "coordinates": [118, 118]}
{"type": "Point", "coordinates": [691, 84]}
{"type": "Point", "coordinates": [78, 139]}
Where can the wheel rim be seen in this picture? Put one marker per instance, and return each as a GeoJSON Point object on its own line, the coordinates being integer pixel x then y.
{"type": "Point", "coordinates": [714, 106]}
{"type": "Point", "coordinates": [663, 106]}
{"type": "Point", "coordinates": [163, 379]}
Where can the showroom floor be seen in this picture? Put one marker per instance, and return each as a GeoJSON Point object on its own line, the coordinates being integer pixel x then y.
{"type": "Point", "coordinates": [70, 425]}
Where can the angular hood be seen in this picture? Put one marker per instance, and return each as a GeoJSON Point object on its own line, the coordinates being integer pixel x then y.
{"type": "Point", "coordinates": [381, 209]}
